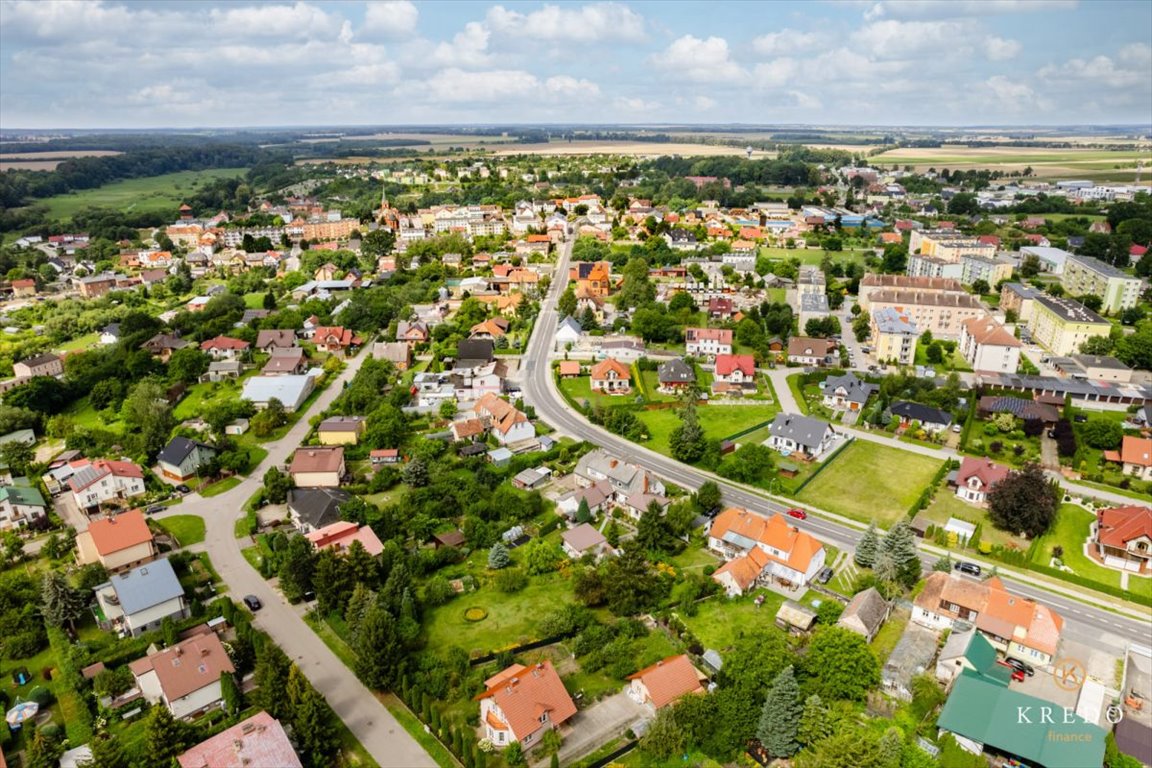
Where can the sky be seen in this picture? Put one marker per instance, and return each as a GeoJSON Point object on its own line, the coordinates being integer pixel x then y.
{"type": "Point", "coordinates": [184, 63]}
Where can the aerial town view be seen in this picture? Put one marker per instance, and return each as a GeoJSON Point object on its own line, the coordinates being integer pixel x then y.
{"type": "Point", "coordinates": [575, 384]}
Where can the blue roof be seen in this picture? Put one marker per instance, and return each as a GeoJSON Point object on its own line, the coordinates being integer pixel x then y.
{"type": "Point", "coordinates": [145, 586]}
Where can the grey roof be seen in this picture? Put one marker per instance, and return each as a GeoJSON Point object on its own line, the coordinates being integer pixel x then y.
{"type": "Point", "coordinates": [1021, 290]}
{"type": "Point", "coordinates": [1099, 267]}
{"type": "Point", "coordinates": [856, 390]}
{"type": "Point", "coordinates": [145, 586]}
{"type": "Point", "coordinates": [805, 430]}
{"type": "Point", "coordinates": [112, 329]}
{"type": "Point", "coordinates": [180, 448]}
{"type": "Point", "coordinates": [289, 390]}
{"type": "Point", "coordinates": [868, 607]}
{"type": "Point", "coordinates": [528, 476]}
{"type": "Point", "coordinates": [570, 324]}
{"type": "Point", "coordinates": [911, 656]}
{"type": "Point", "coordinates": [813, 302]}
{"type": "Point", "coordinates": [676, 371]}
{"type": "Point", "coordinates": [475, 351]}
{"type": "Point", "coordinates": [921, 413]}
{"type": "Point", "coordinates": [888, 320]}
{"type": "Point", "coordinates": [41, 359]}
{"type": "Point", "coordinates": [317, 507]}
{"type": "Point", "coordinates": [1069, 310]}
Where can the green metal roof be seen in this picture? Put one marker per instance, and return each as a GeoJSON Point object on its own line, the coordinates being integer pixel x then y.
{"type": "Point", "coordinates": [1015, 723]}
{"type": "Point", "coordinates": [982, 656]}
{"type": "Point", "coordinates": [22, 494]}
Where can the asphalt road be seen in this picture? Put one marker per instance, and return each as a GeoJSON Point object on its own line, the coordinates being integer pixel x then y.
{"type": "Point", "coordinates": [1097, 626]}
{"type": "Point", "coordinates": [372, 724]}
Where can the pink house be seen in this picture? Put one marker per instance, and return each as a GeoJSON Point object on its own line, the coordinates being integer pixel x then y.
{"type": "Point", "coordinates": [339, 536]}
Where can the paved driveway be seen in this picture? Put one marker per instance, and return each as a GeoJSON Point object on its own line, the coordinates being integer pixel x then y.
{"type": "Point", "coordinates": [600, 723]}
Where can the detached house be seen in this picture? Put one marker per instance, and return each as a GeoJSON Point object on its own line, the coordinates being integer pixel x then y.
{"type": "Point", "coordinates": [94, 482]}
{"type": "Point", "coordinates": [21, 506]}
{"type": "Point", "coordinates": [225, 348]}
{"type": "Point", "coordinates": [258, 741]}
{"type": "Point", "coordinates": [1136, 456]}
{"type": "Point", "coordinates": [1122, 538]}
{"type": "Point", "coordinates": [341, 430]}
{"type": "Point", "coordinates": [611, 377]}
{"type": "Point", "coordinates": [734, 375]}
{"type": "Point", "coordinates": [708, 341]}
{"type": "Point", "coordinates": [335, 339]}
{"type": "Point", "coordinates": [182, 458]}
{"type": "Point", "coordinates": [138, 600]}
{"type": "Point", "coordinates": [315, 467]}
{"type": "Point", "coordinates": [803, 350]}
{"type": "Point", "coordinates": [312, 509]}
{"type": "Point", "coordinates": [976, 477]}
{"type": "Point", "coordinates": [285, 361]}
{"type": "Point", "coordinates": [790, 433]}
{"type": "Point", "coordinates": [523, 703]}
{"type": "Point", "coordinates": [584, 539]}
{"type": "Point", "coordinates": [664, 682]}
{"type": "Point", "coordinates": [118, 542]}
{"type": "Point", "coordinates": [412, 333]}
{"type": "Point", "coordinates": [675, 375]}
{"type": "Point", "coordinates": [847, 393]}
{"type": "Point", "coordinates": [40, 365]}
{"type": "Point", "coordinates": [625, 479]}
{"type": "Point", "coordinates": [269, 340]}
{"type": "Point", "coordinates": [184, 677]}
{"type": "Point", "coordinates": [505, 422]}
{"type": "Point", "coordinates": [162, 345]}
{"type": "Point", "coordinates": [761, 550]}
{"type": "Point", "coordinates": [930, 419]}
{"type": "Point", "coordinates": [1015, 625]}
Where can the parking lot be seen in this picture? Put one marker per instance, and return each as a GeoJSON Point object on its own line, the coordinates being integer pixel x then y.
{"type": "Point", "coordinates": [1095, 663]}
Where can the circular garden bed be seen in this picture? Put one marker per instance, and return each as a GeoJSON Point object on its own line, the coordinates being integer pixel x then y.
{"type": "Point", "coordinates": [475, 614]}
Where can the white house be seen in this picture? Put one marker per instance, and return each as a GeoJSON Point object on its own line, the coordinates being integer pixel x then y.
{"type": "Point", "coordinates": [976, 477]}
{"type": "Point", "coordinates": [182, 458]}
{"type": "Point", "coordinates": [184, 677]}
{"type": "Point", "coordinates": [582, 540]}
{"type": "Point", "coordinates": [988, 346]}
{"type": "Point", "coordinates": [102, 480]}
{"type": "Point", "coordinates": [567, 333]}
{"type": "Point", "coordinates": [523, 703]}
{"type": "Point", "coordinates": [790, 433]}
{"type": "Point", "coordinates": [21, 506]}
{"type": "Point", "coordinates": [708, 341]}
{"type": "Point", "coordinates": [138, 600]}
{"type": "Point", "coordinates": [761, 550]}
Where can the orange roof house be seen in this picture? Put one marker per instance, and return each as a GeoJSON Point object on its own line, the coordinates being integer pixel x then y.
{"type": "Point", "coordinates": [759, 548]}
{"type": "Point", "coordinates": [339, 537]}
{"type": "Point", "coordinates": [117, 542]}
{"type": "Point", "coordinates": [522, 703]}
{"type": "Point", "coordinates": [569, 368]}
{"type": "Point", "coordinates": [492, 328]}
{"type": "Point", "coordinates": [335, 338]}
{"type": "Point", "coordinates": [611, 376]}
{"type": "Point", "coordinates": [593, 279]}
{"type": "Point", "coordinates": [1123, 537]}
{"type": "Point", "coordinates": [665, 681]}
{"type": "Point", "coordinates": [184, 677]}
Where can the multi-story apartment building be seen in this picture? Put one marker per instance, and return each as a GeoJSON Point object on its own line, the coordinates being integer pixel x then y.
{"type": "Point", "coordinates": [948, 245]}
{"type": "Point", "coordinates": [920, 265]}
{"type": "Point", "coordinates": [940, 313]}
{"type": "Point", "coordinates": [1085, 276]}
{"type": "Point", "coordinates": [871, 283]}
{"type": "Point", "coordinates": [1061, 325]}
{"type": "Point", "coordinates": [991, 270]}
{"type": "Point", "coordinates": [893, 336]}
{"type": "Point", "coordinates": [1018, 298]}
{"type": "Point", "coordinates": [987, 346]}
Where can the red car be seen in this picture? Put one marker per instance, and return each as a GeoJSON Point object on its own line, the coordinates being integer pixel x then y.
{"type": "Point", "coordinates": [799, 514]}
{"type": "Point", "coordinates": [1017, 674]}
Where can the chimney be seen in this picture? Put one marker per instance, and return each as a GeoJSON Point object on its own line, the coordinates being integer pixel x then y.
{"type": "Point", "coordinates": [203, 652]}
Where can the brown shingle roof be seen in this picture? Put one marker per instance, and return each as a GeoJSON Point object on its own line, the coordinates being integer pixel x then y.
{"type": "Point", "coordinates": [187, 666]}
{"type": "Point", "coordinates": [316, 459]}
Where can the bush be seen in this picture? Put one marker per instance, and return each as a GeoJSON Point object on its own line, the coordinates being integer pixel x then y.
{"type": "Point", "coordinates": [438, 591]}
{"type": "Point", "coordinates": [511, 580]}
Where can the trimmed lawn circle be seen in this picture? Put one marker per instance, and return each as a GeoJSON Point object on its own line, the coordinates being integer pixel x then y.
{"type": "Point", "coordinates": [475, 613]}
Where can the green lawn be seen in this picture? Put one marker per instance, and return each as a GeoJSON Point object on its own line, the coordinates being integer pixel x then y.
{"type": "Point", "coordinates": [221, 486]}
{"type": "Point", "coordinates": [186, 529]}
{"type": "Point", "coordinates": [947, 505]}
{"type": "Point", "coordinates": [512, 619]}
{"type": "Point", "coordinates": [719, 421]}
{"type": "Point", "coordinates": [80, 342]}
{"type": "Point", "coordinates": [867, 481]}
{"type": "Point", "coordinates": [815, 255]}
{"type": "Point", "coordinates": [204, 394]}
{"type": "Point", "coordinates": [889, 634]}
{"type": "Point", "coordinates": [1070, 531]}
{"type": "Point", "coordinates": [953, 361]}
{"type": "Point", "coordinates": [255, 300]}
{"type": "Point", "coordinates": [719, 620]}
{"type": "Point", "coordinates": [579, 390]}
{"type": "Point", "coordinates": [162, 193]}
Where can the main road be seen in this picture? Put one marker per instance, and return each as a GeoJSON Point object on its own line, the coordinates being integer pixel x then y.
{"type": "Point", "coordinates": [1083, 622]}
{"type": "Point", "coordinates": [370, 722]}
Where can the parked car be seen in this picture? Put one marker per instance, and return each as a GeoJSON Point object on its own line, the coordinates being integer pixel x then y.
{"type": "Point", "coordinates": [825, 575]}
{"type": "Point", "coordinates": [957, 428]}
{"type": "Point", "coordinates": [969, 568]}
{"type": "Point", "coordinates": [253, 603]}
{"type": "Point", "coordinates": [799, 514]}
{"type": "Point", "coordinates": [183, 488]}
{"type": "Point", "coordinates": [154, 509]}
{"type": "Point", "coordinates": [1024, 667]}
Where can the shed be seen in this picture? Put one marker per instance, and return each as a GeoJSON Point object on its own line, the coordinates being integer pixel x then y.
{"type": "Point", "coordinates": [500, 456]}
{"type": "Point", "coordinates": [448, 539]}
{"type": "Point", "coordinates": [795, 617]}
{"type": "Point", "coordinates": [866, 613]}
{"type": "Point", "coordinates": [964, 531]}
{"type": "Point", "coordinates": [787, 469]}
{"type": "Point", "coordinates": [528, 479]}
{"type": "Point", "coordinates": [712, 660]}
{"type": "Point", "coordinates": [912, 656]}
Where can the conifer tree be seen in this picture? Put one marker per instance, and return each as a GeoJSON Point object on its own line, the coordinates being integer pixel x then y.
{"type": "Point", "coordinates": [498, 557]}
{"type": "Point", "coordinates": [378, 649]}
{"type": "Point", "coordinates": [900, 545]}
{"type": "Point", "coordinates": [780, 718]}
{"type": "Point", "coordinates": [311, 718]}
{"type": "Point", "coordinates": [867, 548]}
{"type": "Point", "coordinates": [814, 724]}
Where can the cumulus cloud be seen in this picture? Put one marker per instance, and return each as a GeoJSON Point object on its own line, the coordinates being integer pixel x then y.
{"type": "Point", "coordinates": [1001, 49]}
{"type": "Point", "coordinates": [597, 22]}
{"type": "Point", "coordinates": [469, 48]}
{"type": "Point", "coordinates": [393, 18]}
{"type": "Point", "coordinates": [891, 39]}
{"type": "Point", "coordinates": [1103, 71]}
{"type": "Point", "coordinates": [699, 61]}
{"type": "Point", "coordinates": [300, 20]}
{"type": "Point", "coordinates": [935, 9]}
{"type": "Point", "coordinates": [635, 104]}
{"type": "Point", "coordinates": [499, 86]}
{"type": "Point", "coordinates": [786, 42]}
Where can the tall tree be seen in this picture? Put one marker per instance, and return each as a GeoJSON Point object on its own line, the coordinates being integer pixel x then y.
{"type": "Point", "coordinates": [867, 548]}
{"type": "Point", "coordinates": [359, 603]}
{"type": "Point", "coordinates": [1024, 502]}
{"type": "Point", "coordinates": [652, 531]}
{"type": "Point", "coordinates": [165, 737]}
{"type": "Point", "coordinates": [707, 496]}
{"type": "Point", "coordinates": [313, 722]}
{"type": "Point", "coordinates": [271, 676]}
{"type": "Point", "coordinates": [230, 693]}
{"type": "Point", "coordinates": [687, 440]}
{"type": "Point", "coordinates": [333, 582]}
{"type": "Point", "coordinates": [43, 751]}
{"type": "Point", "coordinates": [106, 753]}
{"type": "Point", "coordinates": [379, 652]}
{"type": "Point", "coordinates": [814, 725]}
{"type": "Point", "coordinates": [900, 544]}
{"type": "Point", "coordinates": [147, 413]}
{"type": "Point", "coordinates": [566, 305]}
{"type": "Point", "coordinates": [583, 513]}
{"type": "Point", "coordinates": [840, 665]}
{"type": "Point", "coordinates": [59, 602]}
{"type": "Point", "coordinates": [296, 568]}
{"type": "Point", "coordinates": [780, 717]}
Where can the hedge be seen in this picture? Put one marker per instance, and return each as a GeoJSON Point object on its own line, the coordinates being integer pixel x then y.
{"type": "Point", "coordinates": [1107, 589]}
{"type": "Point", "coordinates": [929, 491]}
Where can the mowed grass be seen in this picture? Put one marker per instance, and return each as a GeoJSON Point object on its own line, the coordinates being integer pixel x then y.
{"type": "Point", "coordinates": [512, 619]}
{"type": "Point", "coordinates": [1070, 531]}
{"type": "Point", "coordinates": [719, 621]}
{"type": "Point", "coordinates": [718, 421]}
{"type": "Point", "coordinates": [156, 193]}
{"type": "Point", "coordinates": [867, 480]}
{"type": "Point", "coordinates": [186, 529]}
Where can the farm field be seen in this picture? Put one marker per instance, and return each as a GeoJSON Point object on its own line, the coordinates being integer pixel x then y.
{"type": "Point", "coordinates": [867, 480]}
{"type": "Point", "coordinates": [46, 161]}
{"type": "Point", "coordinates": [156, 193]}
{"type": "Point", "coordinates": [1088, 163]}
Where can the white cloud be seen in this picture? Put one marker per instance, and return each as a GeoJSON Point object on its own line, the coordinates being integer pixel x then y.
{"type": "Point", "coordinates": [1103, 72]}
{"type": "Point", "coordinates": [1011, 96]}
{"type": "Point", "coordinates": [704, 103]}
{"type": "Point", "coordinates": [1001, 49]}
{"type": "Point", "coordinates": [806, 100]}
{"type": "Point", "coordinates": [566, 87]}
{"type": "Point", "coordinates": [499, 86]}
{"type": "Point", "coordinates": [635, 104]}
{"type": "Point", "coordinates": [891, 39]}
{"type": "Point", "coordinates": [699, 61]}
{"type": "Point", "coordinates": [469, 48]}
{"type": "Point", "coordinates": [597, 22]}
{"type": "Point", "coordinates": [300, 20]}
{"type": "Point", "coordinates": [937, 9]}
{"type": "Point", "coordinates": [786, 42]}
{"type": "Point", "coordinates": [775, 73]}
{"type": "Point", "coordinates": [394, 18]}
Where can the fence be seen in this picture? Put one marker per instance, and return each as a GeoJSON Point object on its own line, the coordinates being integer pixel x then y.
{"type": "Point", "coordinates": [749, 430]}
{"type": "Point", "coordinates": [607, 759]}
{"type": "Point", "coordinates": [478, 660]}
{"type": "Point", "coordinates": [823, 464]}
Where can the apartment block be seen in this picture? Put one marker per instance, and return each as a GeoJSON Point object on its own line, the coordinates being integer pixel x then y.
{"type": "Point", "coordinates": [1085, 276]}
{"type": "Point", "coordinates": [940, 313]}
{"type": "Point", "coordinates": [1062, 325]}
{"type": "Point", "coordinates": [987, 346]}
{"type": "Point", "coordinates": [871, 283]}
{"type": "Point", "coordinates": [894, 336]}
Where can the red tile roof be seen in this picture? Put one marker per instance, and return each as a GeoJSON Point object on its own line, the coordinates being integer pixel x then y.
{"type": "Point", "coordinates": [186, 667]}
{"type": "Point", "coordinates": [601, 369]}
{"type": "Point", "coordinates": [669, 679]}
{"type": "Point", "coordinates": [339, 536]}
{"type": "Point", "coordinates": [774, 532]}
{"type": "Point", "coordinates": [224, 342]}
{"type": "Point", "coordinates": [1136, 450]}
{"type": "Point", "coordinates": [726, 364]}
{"type": "Point", "coordinates": [988, 472]}
{"type": "Point", "coordinates": [114, 534]}
{"type": "Point", "coordinates": [1119, 525]}
{"type": "Point", "coordinates": [525, 693]}
{"type": "Point", "coordinates": [317, 459]}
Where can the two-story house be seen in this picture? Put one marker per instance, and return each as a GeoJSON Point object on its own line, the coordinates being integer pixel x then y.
{"type": "Point", "coordinates": [21, 506]}
{"type": "Point", "coordinates": [611, 377]}
{"type": "Point", "coordinates": [761, 550]}
{"type": "Point", "coordinates": [847, 392]}
{"type": "Point", "coordinates": [1122, 537]}
{"type": "Point", "coordinates": [117, 542]}
{"type": "Point", "coordinates": [182, 458]}
{"type": "Point", "coordinates": [185, 677]}
{"type": "Point", "coordinates": [976, 477]}
{"type": "Point", "coordinates": [46, 364]}
{"type": "Point", "coordinates": [318, 467]}
{"type": "Point", "coordinates": [734, 375]}
{"type": "Point", "coordinates": [139, 599]}
{"type": "Point", "coordinates": [94, 482]}
{"type": "Point", "coordinates": [708, 342]}
{"type": "Point", "coordinates": [1015, 625]}
{"type": "Point", "coordinates": [504, 421]}
{"type": "Point", "coordinates": [275, 338]}
{"type": "Point", "coordinates": [522, 703]}
{"type": "Point", "coordinates": [624, 478]}
{"type": "Point", "coordinates": [225, 347]}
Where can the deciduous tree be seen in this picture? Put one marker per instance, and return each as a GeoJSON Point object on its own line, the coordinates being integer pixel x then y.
{"type": "Point", "coordinates": [1024, 502]}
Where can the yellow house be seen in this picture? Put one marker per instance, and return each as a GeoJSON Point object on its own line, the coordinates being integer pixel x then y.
{"type": "Point", "coordinates": [341, 430]}
{"type": "Point", "coordinates": [117, 542]}
{"type": "Point", "coordinates": [1062, 325]}
{"type": "Point", "coordinates": [893, 336]}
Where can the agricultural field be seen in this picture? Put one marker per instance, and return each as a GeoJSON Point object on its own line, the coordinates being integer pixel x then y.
{"type": "Point", "coordinates": [869, 481]}
{"type": "Point", "coordinates": [156, 193]}
{"type": "Point", "coordinates": [1045, 162]}
{"type": "Point", "coordinates": [46, 161]}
